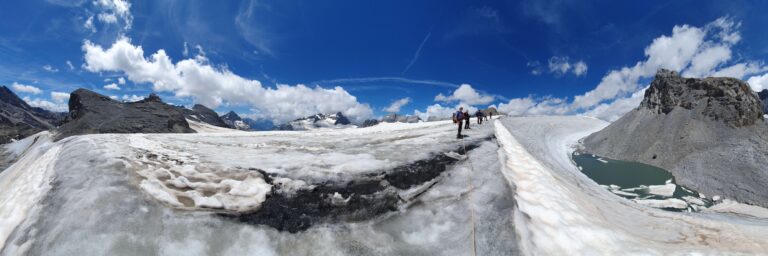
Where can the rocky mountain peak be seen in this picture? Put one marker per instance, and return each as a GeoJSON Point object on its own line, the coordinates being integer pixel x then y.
{"type": "Point", "coordinates": [716, 98]}
{"type": "Point", "coordinates": [231, 116]}
{"type": "Point", "coordinates": [7, 96]}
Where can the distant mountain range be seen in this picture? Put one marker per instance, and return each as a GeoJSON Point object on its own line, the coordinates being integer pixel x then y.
{"type": "Point", "coordinates": [91, 112]}
{"type": "Point", "coordinates": [19, 120]}
{"type": "Point", "coordinates": [317, 121]}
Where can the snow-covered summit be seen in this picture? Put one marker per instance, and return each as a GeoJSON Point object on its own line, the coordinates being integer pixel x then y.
{"type": "Point", "coordinates": [317, 121]}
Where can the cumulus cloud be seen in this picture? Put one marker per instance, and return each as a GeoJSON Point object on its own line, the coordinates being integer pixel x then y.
{"type": "Point", "coordinates": [112, 86]}
{"type": "Point", "coordinates": [131, 98]}
{"type": "Point", "coordinates": [442, 112]}
{"type": "Point", "coordinates": [69, 64]}
{"type": "Point", "coordinates": [692, 51]}
{"type": "Point", "coordinates": [396, 105]}
{"type": "Point", "coordinates": [59, 97]}
{"type": "Point", "coordinates": [467, 95]}
{"type": "Point", "coordinates": [562, 65]}
{"type": "Point", "coordinates": [213, 86]}
{"type": "Point", "coordinates": [121, 80]}
{"type": "Point", "coordinates": [49, 68]}
{"type": "Point", "coordinates": [26, 88]}
{"type": "Point", "coordinates": [616, 109]}
{"type": "Point", "coordinates": [758, 83]}
{"type": "Point", "coordinates": [47, 105]}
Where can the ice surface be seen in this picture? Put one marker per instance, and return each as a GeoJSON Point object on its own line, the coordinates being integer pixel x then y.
{"type": "Point", "coordinates": [25, 182]}
{"type": "Point", "coordinates": [99, 205]}
{"type": "Point", "coordinates": [563, 212]}
{"type": "Point", "coordinates": [673, 203]}
{"type": "Point", "coordinates": [666, 190]}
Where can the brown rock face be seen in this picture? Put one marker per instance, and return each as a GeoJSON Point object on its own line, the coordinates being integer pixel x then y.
{"type": "Point", "coordinates": [721, 99]}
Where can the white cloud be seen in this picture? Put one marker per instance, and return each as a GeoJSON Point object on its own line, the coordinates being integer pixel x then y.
{"type": "Point", "coordinates": [112, 86]}
{"type": "Point", "coordinates": [26, 88]}
{"type": "Point", "coordinates": [561, 65]}
{"type": "Point", "coordinates": [616, 109]}
{"type": "Point", "coordinates": [441, 112]}
{"type": "Point", "coordinates": [108, 18]}
{"type": "Point", "coordinates": [467, 95]}
{"type": "Point", "coordinates": [186, 50]}
{"type": "Point", "coordinates": [131, 98]}
{"type": "Point", "coordinates": [533, 106]}
{"type": "Point", "coordinates": [89, 24]}
{"type": "Point", "coordinates": [693, 51]}
{"type": "Point", "coordinates": [214, 86]}
{"type": "Point", "coordinates": [111, 11]}
{"type": "Point", "coordinates": [49, 68]}
{"type": "Point", "coordinates": [59, 97]}
{"type": "Point", "coordinates": [121, 80]}
{"type": "Point", "coordinates": [758, 83]}
{"type": "Point", "coordinates": [44, 104]}
{"type": "Point", "coordinates": [69, 64]}
{"type": "Point", "coordinates": [396, 105]}
{"type": "Point", "coordinates": [580, 68]}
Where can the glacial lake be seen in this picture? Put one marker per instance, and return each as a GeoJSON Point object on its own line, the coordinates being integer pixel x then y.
{"type": "Point", "coordinates": [642, 183]}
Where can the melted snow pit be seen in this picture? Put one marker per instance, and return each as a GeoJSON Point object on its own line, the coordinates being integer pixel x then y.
{"type": "Point", "coordinates": [180, 179]}
{"type": "Point", "coordinates": [644, 184]}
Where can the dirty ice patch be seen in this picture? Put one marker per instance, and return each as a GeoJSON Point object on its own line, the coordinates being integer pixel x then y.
{"type": "Point", "coordinates": [179, 179]}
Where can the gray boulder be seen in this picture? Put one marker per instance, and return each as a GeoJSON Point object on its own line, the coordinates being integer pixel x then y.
{"type": "Point", "coordinates": [90, 113]}
{"type": "Point", "coordinates": [709, 133]}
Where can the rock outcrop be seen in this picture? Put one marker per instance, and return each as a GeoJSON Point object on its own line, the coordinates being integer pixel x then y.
{"type": "Point", "coordinates": [203, 114]}
{"type": "Point", "coordinates": [395, 118]}
{"type": "Point", "coordinates": [710, 133]}
{"type": "Point", "coordinates": [369, 123]}
{"type": "Point", "coordinates": [18, 119]}
{"type": "Point", "coordinates": [491, 110]}
{"type": "Point", "coordinates": [763, 95]}
{"type": "Point", "coordinates": [90, 113]}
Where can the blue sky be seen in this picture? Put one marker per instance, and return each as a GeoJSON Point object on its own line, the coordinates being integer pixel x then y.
{"type": "Point", "coordinates": [527, 57]}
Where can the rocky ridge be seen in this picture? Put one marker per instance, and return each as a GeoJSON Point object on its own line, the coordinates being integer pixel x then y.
{"type": "Point", "coordinates": [709, 133]}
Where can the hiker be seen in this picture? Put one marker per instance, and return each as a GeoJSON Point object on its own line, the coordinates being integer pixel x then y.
{"type": "Point", "coordinates": [479, 115]}
{"type": "Point", "coordinates": [490, 113]}
{"type": "Point", "coordinates": [466, 120]}
{"type": "Point", "coordinates": [457, 117]}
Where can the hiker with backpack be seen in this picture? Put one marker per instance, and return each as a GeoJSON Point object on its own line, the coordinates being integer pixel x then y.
{"type": "Point", "coordinates": [479, 115]}
{"type": "Point", "coordinates": [457, 118]}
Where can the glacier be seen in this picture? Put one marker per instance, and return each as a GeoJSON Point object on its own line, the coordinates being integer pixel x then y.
{"type": "Point", "coordinates": [509, 188]}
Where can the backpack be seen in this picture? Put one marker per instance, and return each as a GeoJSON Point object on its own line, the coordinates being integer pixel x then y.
{"type": "Point", "coordinates": [457, 116]}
